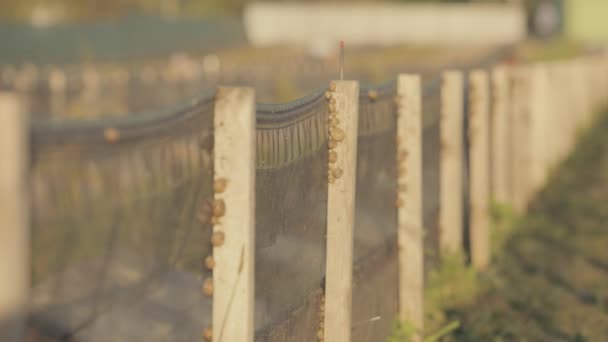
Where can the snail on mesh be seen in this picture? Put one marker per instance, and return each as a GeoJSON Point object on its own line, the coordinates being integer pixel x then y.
{"type": "Point", "coordinates": [209, 262]}
{"type": "Point", "coordinates": [208, 334]}
{"type": "Point", "coordinates": [111, 135]}
{"type": "Point", "coordinates": [219, 185]}
{"type": "Point", "coordinates": [218, 238]}
{"type": "Point", "coordinates": [219, 208]}
{"type": "Point", "coordinates": [208, 287]}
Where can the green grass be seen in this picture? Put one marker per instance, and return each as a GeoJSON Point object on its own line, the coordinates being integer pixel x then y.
{"type": "Point", "coordinates": [549, 281]}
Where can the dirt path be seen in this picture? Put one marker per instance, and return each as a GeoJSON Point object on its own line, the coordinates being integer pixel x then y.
{"type": "Point", "coordinates": [551, 280]}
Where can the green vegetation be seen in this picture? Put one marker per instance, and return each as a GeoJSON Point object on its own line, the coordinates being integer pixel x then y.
{"type": "Point", "coordinates": [550, 281]}
{"type": "Point", "coordinates": [557, 49]}
{"type": "Point", "coordinates": [404, 332]}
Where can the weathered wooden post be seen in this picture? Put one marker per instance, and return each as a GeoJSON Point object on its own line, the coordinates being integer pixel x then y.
{"type": "Point", "coordinates": [344, 106]}
{"type": "Point", "coordinates": [519, 168]}
{"type": "Point", "coordinates": [479, 152]}
{"type": "Point", "coordinates": [233, 236]}
{"type": "Point", "coordinates": [538, 122]}
{"type": "Point", "coordinates": [14, 217]}
{"type": "Point", "coordinates": [500, 136]}
{"type": "Point", "coordinates": [409, 202]}
{"type": "Point", "coordinates": [452, 160]}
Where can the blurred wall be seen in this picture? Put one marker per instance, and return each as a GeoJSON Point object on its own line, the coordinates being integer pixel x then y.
{"type": "Point", "coordinates": [586, 20]}
{"type": "Point", "coordinates": [383, 24]}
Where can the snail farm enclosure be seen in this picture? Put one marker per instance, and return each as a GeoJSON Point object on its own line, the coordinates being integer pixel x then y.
{"type": "Point", "coordinates": [313, 220]}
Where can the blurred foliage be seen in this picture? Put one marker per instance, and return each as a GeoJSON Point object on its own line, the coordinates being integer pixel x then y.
{"type": "Point", "coordinates": [550, 283]}
{"type": "Point", "coordinates": [452, 284]}
{"type": "Point", "coordinates": [556, 49]}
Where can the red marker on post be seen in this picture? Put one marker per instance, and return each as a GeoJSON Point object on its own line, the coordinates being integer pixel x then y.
{"type": "Point", "coordinates": [341, 60]}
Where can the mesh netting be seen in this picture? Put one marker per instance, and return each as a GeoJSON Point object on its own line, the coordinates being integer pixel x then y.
{"type": "Point", "coordinates": [291, 218]}
{"type": "Point", "coordinates": [466, 194]}
{"type": "Point", "coordinates": [375, 272]}
{"type": "Point", "coordinates": [118, 232]}
{"type": "Point", "coordinates": [431, 106]}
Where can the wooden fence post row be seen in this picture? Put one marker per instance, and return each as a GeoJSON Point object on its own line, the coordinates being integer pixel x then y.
{"type": "Point", "coordinates": [14, 217]}
{"type": "Point", "coordinates": [515, 136]}
{"type": "Point", "coordinates": [409, 214]}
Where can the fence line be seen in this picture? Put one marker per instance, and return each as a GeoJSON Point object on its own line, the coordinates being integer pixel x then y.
{"type": "Point", "coordinates": [299, 271]}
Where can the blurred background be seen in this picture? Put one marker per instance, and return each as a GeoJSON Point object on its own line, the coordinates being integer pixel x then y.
{"type": "Point", "coordinates": [66, 54]}
{"type": "Point", "coordinates": [84, 60]}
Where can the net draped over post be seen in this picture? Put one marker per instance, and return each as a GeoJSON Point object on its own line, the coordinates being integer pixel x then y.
{"type": "Point", "coordinates": [431, 149]}
{"type": "Point", "coordinates": [291, 218]}
{"type": "Point", "coordinates": [375, 269]}
{"type": "Point", "coordinates": [121, 226]}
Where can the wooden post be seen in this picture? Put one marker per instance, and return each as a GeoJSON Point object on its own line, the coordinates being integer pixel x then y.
{"type": "Point", "coordinates": [451, 154]}
{"type": "Point", "coordinates": [539, 138]}
{"type": "Point", "coordinates": [341, 211]}
{"type": "Point", "coordinates": [14, 218]}
{"type": "Point", "coordinates": [234, 198]}
{"type": "Point", "coordinates": [519, 168]}
{"type": "Point", "coordinates": [479, 168]}
{"type": "Point", "coordinates": [409, 200]}
{"type": "Point", "coordinates": [500, 135]}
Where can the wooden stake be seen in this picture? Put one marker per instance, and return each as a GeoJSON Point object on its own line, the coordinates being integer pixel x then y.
{"type": "Point", "coordinates": [340, 214]}
{"type": "Point", "coordinates": [500, 135]}
{"type": "Point", "coordinates": [479, 168]}
{"type": "Point", "coordinates": [409, 215]}
{"type": "Point", "coordinates": [519, 168]}
{"type": "Point", "coordinates": [539, 138]}
{"type": "Point", "coordinates": [234, 163]}
{"type": "Point", "coordinates": [14, 218]}
{"type": "Point", "coordinates": [451, 154]}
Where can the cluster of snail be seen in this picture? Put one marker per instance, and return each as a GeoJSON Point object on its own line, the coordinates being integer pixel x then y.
{"type": "Point", "coordinates": [321, 331]}
{"type": "Point", "coordinates": [212, 212]}
{"type": "Point", "coordinates": [336, 135]}
{"type": "Point", "coordinates": [402, 154]}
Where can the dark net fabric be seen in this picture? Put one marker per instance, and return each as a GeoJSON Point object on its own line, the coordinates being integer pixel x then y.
{"type": "Point", "coordinates": [118, 228]}
{"type": "Point", "coordinates": [291, 218]}
{"type": "Point", "coordinates": [431, 107]}
{"type": "Point", "coordinates": [466, 183]}
{"type": "Point", "coordinates": [375, 272]}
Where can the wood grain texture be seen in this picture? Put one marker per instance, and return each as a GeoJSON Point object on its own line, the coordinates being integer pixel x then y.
{"type": "Point", "coordinates": [539, 129]}
{"type": "Point", "coordinates": [14, 217]}
{"type": "Point", "coordinates": [451, 173]}
{"type": "Point", "coordinates": [479, 139]}
{"type": "Point", "coordinates": [340, 216]}
{"type": "Point", "coordinates": [409, 214]}
{"type": "Point", "coordinates": [234, 161]}
{"type": "Point", "coordinates": [500, 134]}
{"type": "Point", "coordinates": [520, 156]}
